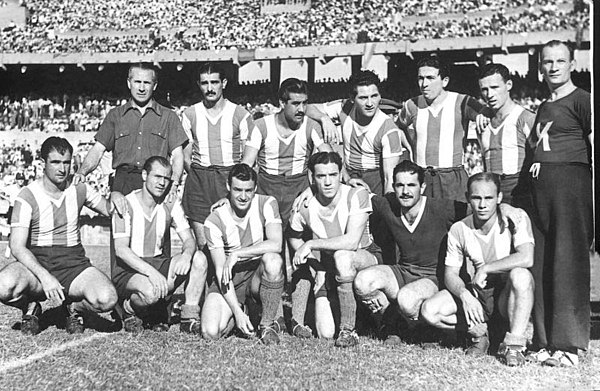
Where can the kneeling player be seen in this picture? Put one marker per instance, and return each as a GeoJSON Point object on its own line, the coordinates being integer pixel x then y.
{"type": "Point", "coordinates": [45, 240]}
{"type": "Point", "coordinates": [143, 275]}
{"type": "Point", "coordinates": [500, 255]}
{"type": "Point", "coordinates": [244, 239]}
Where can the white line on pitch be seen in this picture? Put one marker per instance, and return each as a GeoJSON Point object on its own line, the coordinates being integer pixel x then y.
{"type": "Point", "coordinates": [6, 366]}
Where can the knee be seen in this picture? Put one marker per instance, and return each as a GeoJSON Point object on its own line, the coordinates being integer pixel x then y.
{"type": "Point", "coordinates": [429, 312]}
{"type": "Point", "coordinates": [521, 280]}
{"type": "Point", "coordinates": [199, 262]}
{"type": "Point", "coordinates": [343, 264]}
{"type": "Point", "coordinates": [364, 284]}
{"type": "Point", "coordinates": [408, 303]}
{"type": "Point", "coordinates": [273, 265]}
{"type": "Point", "coordinates": [147, 296]}
{"type": "Point", "coordinates": [210, 330]}
{"type": "Point", "coordinates": [105, 300]}
{"type": "Point", "coordinates": [8, 287]}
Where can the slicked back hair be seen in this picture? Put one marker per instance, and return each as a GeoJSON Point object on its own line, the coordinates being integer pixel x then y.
{"type": "Point", "coordinates": [145, 66]}
{"type": "Point", "coordinates": [211, 67]}
{"type": "Point", "coordinates": [58, 144]}
{"type": "Point", "coordinates": [243, 172]}
{"type": "Point", "coordinates": [292, 86]}
{"type": "Point", "coordinates": [324, 158]}
{"type": "Point", "coordinates": [494, 69]}
{"type": "Point", "coordinates": [437, 63]}
{"type": "Point", "coordinates": [555, 43]}
{"type": "Point", "coordinates": [411, 168]}
{"type": "Point", "coordinates": [149, 163]}
{"type": "Point", "coordinates": [362, 78]}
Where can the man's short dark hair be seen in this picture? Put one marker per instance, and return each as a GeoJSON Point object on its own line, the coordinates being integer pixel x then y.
{"type": "Point", "coordinates": [145, 66]}
{"type": "Point", "coordinates": [362, 78]}
{"type": "Point", "coordinates": [292, 86]}
{"type": "Point", "coordinates": [437, 63]}
{"type": "Point", "coordinates": [494, 69]}
{"type": "Point", "coordinates": [243, 172]}
{"type": "Point", "coordinates": [155, 159]}
{"type": "Point", "coordinates": [411, 168]}
{"type": "Point", "coordinates": [555, 43]}
{"type": "Point", "coordinates": [58, 144]}
{"type": "Point", "coordinates": [324, 158]}
{"type": "Point", "coordinates": [212, 67]}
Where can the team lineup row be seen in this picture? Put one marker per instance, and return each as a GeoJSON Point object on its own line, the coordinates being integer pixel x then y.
{"type": "Point", "coordinates": [377, 238]}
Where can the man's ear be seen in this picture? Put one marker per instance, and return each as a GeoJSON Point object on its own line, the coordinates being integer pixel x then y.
{"type": "Point", "coordinates": [310, 179]}
{"type": "Point", "coordinates": [144, 175]}
{"type": "Point", "coordinates": [500, 195]}
{"type": "Point", "coordinates": [423, 186]}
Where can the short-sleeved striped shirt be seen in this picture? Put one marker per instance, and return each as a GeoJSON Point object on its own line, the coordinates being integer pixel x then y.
{"type": "Point", "coordinates": [327, 223]}
{"type": "Point", "coordinates": [504, 146]}
{"type": "Point", "coordinates": [365, 146]}
{"type": "Point", "coordinates": [436, 135]}
{"type": "Point", "coordinates": [53, 222]}
{"type": "Point", "coordinates": [147, 233]}
{"type": "Point", "coordinates": [216, 141]}
{"type": "Point", "coordinates": [284, 156]}
{"type": "Point", "coordinates": [464, 242]}
{"type": "Point", "coordinates": [223, 229]}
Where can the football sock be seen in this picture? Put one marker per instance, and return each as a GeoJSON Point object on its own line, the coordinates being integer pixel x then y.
{"type": "Point", "coordinates": [300, 300]}
{"type": "Point", "coordinates": [347, 306]}
{"type": "Point", "coordinates": [270, 297]}
{"type": "Point", "coordinates": [189, 311]}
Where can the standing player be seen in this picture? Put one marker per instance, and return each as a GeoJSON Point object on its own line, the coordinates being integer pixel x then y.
{"type": "Point", "coordinates": [217, 130]}
{"type": "Point", "coordinates": [337, 215]}
{"type": "Point", "coordinates": [244, 238]}
{"type": "Point", "coordinates": [45, 240]}
{"type": "Point", "coordinates": [144, 274]}
{"type": "Point", "coordinates": [283, 142]}
{"type": "Point", "coordinates": [562, 190]}
{"type": "Point", "coordinates": [436, 124]}
{"type": "Point", "coordinates": [500, 255]}
{"type": "Point", "coordinates": [372, 142]}
{"type": "Point", "coordinates": [419, 226]}
{"type": "Point", "coordinates": [504, 140]}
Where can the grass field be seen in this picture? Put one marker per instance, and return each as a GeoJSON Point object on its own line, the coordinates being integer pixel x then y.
{"type": "Point", "coordinates": [172, 360]}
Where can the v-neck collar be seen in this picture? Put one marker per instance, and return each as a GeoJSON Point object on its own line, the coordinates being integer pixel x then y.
{"type": "Point", "coordinates": [412, 227]}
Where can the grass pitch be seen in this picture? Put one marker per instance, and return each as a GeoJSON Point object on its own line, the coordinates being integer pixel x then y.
{"type": "Point", "coordinates": [172, 360]}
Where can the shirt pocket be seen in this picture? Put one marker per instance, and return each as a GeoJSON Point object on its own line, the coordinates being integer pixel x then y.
{"type": "Point", "coordinates": [123, 142]}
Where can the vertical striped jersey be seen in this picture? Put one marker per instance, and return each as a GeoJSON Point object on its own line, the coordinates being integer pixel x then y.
{"type": "Point", "coordinates": [284, 156]}
{"type": "Point", "coordinates": [436, 135]}
{"type": "Point", "coordinates": [464, 242]}
{"type": "Point", "coordinates": [224, 229]}
{"type": "Point", "coordinates": [216, 141]}
{"type": "Point", "coordinates": [504, 146]}
{"type": "Point", "coordinates": [53, 222]}
{"type": "Point", "coordinates": [327, 223]}
{"type": "Point", "coordinates": [365, 146]}
{"type": "Point", "coordinates": [146, 233]}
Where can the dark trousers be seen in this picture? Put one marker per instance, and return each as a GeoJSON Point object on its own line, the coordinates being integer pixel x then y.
{"type": "Point", "coordinates": [564, 231]}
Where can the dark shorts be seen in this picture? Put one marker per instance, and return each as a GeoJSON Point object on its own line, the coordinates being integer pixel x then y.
{"type": "Point", "coordinates": [371, 178]}
{"type": "Point", "coordinates": [516, 190]}
{"type": "Point", "coordinates": [285, 189]}
{"type": "Point", "coordinates": [123, 273]}
{"type": "Point", "coordinates": [203, 187]}
{"type": "Point", "coordinates": [407, 274]}
{"type": "Point", "coordinates": [242, 280]}
{"type": "Point", "coordinates": [64, 263]}
{"type": "Point", "coordinates": [488, 297]}
{"type": "Point", "coordinates": [127, 179]}
{"type": "Point", "coordinates": [448, 183]}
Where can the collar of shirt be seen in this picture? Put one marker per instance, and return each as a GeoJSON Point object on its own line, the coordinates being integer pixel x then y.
{"type": "Point", "coordinates": [154, 106]}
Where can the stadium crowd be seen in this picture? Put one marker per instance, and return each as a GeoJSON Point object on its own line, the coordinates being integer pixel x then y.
{"type": "Point", "coordinates": [126, 26]}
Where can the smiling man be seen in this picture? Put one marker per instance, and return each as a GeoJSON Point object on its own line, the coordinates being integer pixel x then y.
{"type": "Point", "coordinates": [217, 131]}
{"type": "Point", "coordinates": [504, 140]}
{"type": "Point", "coordinates": [372, 142]}
{"type": "Point", "coordinates": [244, 238]}
{"type": "Point", "coordinates": [500, 254]}
{"type": "Point", "coordinates": [144, 274]}
{"type": "Point", "coordinates": [45, 241]}
{"type": "Point", "coordinates": [436, 124]}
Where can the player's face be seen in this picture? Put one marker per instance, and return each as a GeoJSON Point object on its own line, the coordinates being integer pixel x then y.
{"type": "Point", "coordinates": [57, 167]}
{"type": "Point", "coordinates": [495, 91]}
{"type": "Point", "coordinates": [484, 199]}
{"type": "Point", "coordinates": [430, 82]}
{"type": "Point", "coordinates": [157, 181]}
{"type": "Point", "coordinates": [294, 109]}
{"type": "Point", "coordinates": [408, 189]}
{"type": "Point", "coordinates": [141, 83]}
{"type": "Point", "coordinates": [556, 65]}
{"type": "Point", "coordinates": [241, 194]}
{"type": "Point", "coordinates": [326, 179]}
{"type": "Point", "coordinates": [367, 100]}
{"type": "Point", "coordinates": [211, 86]}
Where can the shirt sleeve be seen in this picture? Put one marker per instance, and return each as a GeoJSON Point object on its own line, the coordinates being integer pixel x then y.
{"type": "Point", "coordinates": [256, 138]}
{"type": "Point", "coordinates": [271, 212]}
{"type": "Point", "coordinates": [21, 214]}
{"type": "Point", "coordinates": [454, 250]}
{"type": "Point", "coordinates": [525, 122]}
{"type": "Point", "coordinates": [296, 226]}
{"type": "Point", "coordinates": [121, 226]}
{"type": "Point", "coordinates": [522, 232]}
{"type": "Point", "coordinates": [246, 125]}
{"type": "Point", "coordinates": [92, 197]}
{"type": "Point", "coordinates": [106, 132]}
{"type": "Point", "coordinates": [186, 124]}
{"type": "Point", "coordinates": [213, 233]}
{"type": "Point", "coordinates": [391, 146]}
{"type": "Point", "coordinates": [178, 220]}
{"type": "Point", "coordinates": [176, 134]}
{"type": "Point", "coordinates": [360, 202]}
{"type": "Point", "coordinates": [316, 135]}
{"type": "Point", "coordinates": [471, 108]}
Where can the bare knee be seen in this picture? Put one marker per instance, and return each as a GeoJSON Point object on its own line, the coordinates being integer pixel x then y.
{"type": "Point", "coordinates": [521, 280]}
{"type": "Point", "coordinates": [272, 266]}
{"type": "Point", "coordinates": [409, 303]}
{"type": "Point", "coordinates": [210, 332]}
{"type": "Point", "coordinates": [104, 300]}
{"type": "Point", "coordinates": [364, 284]}
{"type": "Point", "coordinates": [343, 265]}
{"type": "Point", "coordinates": [199, 262]}
{"type": "Point", "coordinates": [430, 312]}
{"type": "Point", "coordinates": [147, 296]}
{"type": "Point", "coordinates": [8, 287]}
